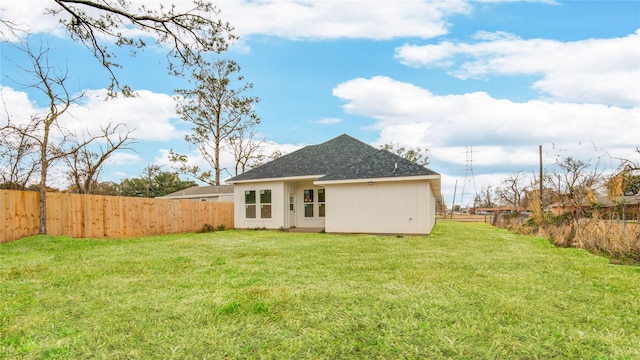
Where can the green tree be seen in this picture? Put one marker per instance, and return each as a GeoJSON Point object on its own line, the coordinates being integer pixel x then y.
{"type": "Point", "coordinates": [416, 155]}
{"type": "Point", "coordinates": [218, 112]}
{"type": "Point", "coordinates": [107, 188]}
{"type": "Point", "coordinates": [154, 182]}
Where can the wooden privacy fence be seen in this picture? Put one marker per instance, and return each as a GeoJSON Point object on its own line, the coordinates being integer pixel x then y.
{"type": "Point", "coordinates": [97, 216]}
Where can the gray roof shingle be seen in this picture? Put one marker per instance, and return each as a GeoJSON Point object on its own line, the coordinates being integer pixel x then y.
{"type": "Point", "coordinates": [381, 164]}
{"type": "Point", "coordinates": [341, 158]}
{"type": "Point", "coordinates": [202, 190]}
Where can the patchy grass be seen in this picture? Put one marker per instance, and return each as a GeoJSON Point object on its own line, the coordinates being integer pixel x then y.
{"type": "Point", "coordinates": [466, 291]}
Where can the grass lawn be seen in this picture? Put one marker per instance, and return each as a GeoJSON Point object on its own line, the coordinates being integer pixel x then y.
{"type": "Point", "coordinates": [467, 291]}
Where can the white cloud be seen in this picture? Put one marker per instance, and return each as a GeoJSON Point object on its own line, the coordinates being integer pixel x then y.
{"type": "Point", "coordinates": [591, 71]}
{"type": "Point", "coordinates": [12, 99]}
{"type": "Point", "coordinates": [328, 121]}
{"type": "Point", "coordinates": [123, 158]}
{"type": "Point", "coordinates": [594, 70]}
{"type": "Point", "coordinates": [34, 16]}
{"type": "Point", "coordinates": [290, 18]}
{"type": "Point", "coordinates": [501, 128]}
{"type": "Point", "coordinates": [28, 16]}
{"type": "Point", "coordinates": [151, 115]}
{"type": "Point", "coordinates": [341, 19]}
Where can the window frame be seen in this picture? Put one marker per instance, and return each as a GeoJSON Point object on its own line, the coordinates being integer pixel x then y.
{"type": "Point", "coordinates": [249, 205]}
{"type": "Point", "coordinates": [309, 203]}
{"type": "Point", "coordinates": [314, 203]}
{"type": "Point", "coordinates": [322, 203]}
{"type": "Point", "coordinates": [265, 207]}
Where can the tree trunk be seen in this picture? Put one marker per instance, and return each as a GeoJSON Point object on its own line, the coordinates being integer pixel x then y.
{"type": "Point", "coordinates": [43, 199]}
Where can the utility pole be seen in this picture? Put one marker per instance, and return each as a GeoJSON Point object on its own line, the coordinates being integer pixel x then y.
{"type": "Point", "coordinates": [541, 187]}
{"type": "Point", "coordinates": [453, 204]}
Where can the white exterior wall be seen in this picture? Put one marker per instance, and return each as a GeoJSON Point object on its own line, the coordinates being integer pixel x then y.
{"type": "Point", "coordinates": [215, 198]}
{"type": "Point", "coordinates": [277, 205]}
{"type": "Point", "coordinates": [395, 207]}
{"type": "Point", "coordinates": [301, 221]}
{"type": "Point", "coordinates": [224, 198]}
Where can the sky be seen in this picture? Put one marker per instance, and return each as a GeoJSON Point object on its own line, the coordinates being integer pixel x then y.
{"type": "Point", "coordinates": [480, 84]}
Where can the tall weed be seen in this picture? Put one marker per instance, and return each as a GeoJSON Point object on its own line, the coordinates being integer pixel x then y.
{"type": "Point", "coordinates": [611, 238]}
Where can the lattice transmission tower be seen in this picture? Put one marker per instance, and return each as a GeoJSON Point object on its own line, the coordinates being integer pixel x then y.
{"type": "Point", "coordinates": [469, 177]}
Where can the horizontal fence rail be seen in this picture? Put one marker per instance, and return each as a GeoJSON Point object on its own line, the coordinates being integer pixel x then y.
{"type": "Point", "coordinates": [98, 216]}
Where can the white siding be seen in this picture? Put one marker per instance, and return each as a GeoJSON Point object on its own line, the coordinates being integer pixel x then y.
{"type": "Point", "coordinates": [401, 207]}
{"type": "Point", "coordinates": [224, 198]}
{"type": "Point", "coordinates": [300, 220]}
{"type": "Point", "coordinates": [277, 206]}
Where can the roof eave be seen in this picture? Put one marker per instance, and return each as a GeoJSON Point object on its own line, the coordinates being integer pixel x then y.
{"type": "Point", "coordinates": [193, 196]}
{"type": "Point", "coordinates": [434, 181]}
{"type": "Point", "coordinates": [287, 178]}
{"type": "Point", "coordinates": [379, 179]}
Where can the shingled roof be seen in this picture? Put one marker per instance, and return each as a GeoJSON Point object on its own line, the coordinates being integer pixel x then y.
{"type": "Point", "coordinates": [341, 158]}
{"type": "Point", "coordinates": [201, 190]}
{"type": "Point", "coordinates": [380, 164]}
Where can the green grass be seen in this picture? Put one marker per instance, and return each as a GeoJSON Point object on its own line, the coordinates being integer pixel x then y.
{"type": "Point", "coordinates": [466, 291]}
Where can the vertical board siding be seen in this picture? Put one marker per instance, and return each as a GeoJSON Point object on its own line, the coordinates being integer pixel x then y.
{"type": "Point", "coordinates": [97, 216]}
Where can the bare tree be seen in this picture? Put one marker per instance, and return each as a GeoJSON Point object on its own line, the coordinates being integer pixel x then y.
{"type": "Point", "coordinates": [217, 111]}
{"type": "Point", "coordinates": [512, 192]}
{"type": "Point", "coordinates": [51, 140]}
{"type": "Point", "coordinates": [577, 182]}
{"type": "Point", "coordinates": [18, 162]}
{"type": "Point", "coordinates": [249, 152]}
{"type": "Point", "coordinates": [486, 197]}
{"type": "Point", "coordinates": [265, 158]}
{"type": "Point", "coordinates": [85, 164]}
{"type": "Point", "coordinates": [245, 148]}
{"type": "Point", "coordinates": [46, 131]}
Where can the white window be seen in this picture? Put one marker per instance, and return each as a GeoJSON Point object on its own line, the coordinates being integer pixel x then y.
{"type": "Point", "coordinates": [308, 203]}
{"type": "Point", "coordinates": [311, 203]}
{"type": "Point", "coordinates": [265, 204]}
{"type": "Point", "coordinates": [321, 202]}
{"type": "Point", "coordinates": [250, 204]}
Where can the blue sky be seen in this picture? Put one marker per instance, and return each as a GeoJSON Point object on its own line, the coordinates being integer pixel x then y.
{"type": "Point", "coordinates": [501, 77]}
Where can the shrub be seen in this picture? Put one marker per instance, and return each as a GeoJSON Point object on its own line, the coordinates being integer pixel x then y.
{"type": "Point", "coordinates": [207, 228]}
{"type": "Point", "coordinates": [614, 239]}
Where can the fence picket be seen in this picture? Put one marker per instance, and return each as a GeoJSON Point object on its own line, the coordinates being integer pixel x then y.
{"type": "Point", "coordinates": [96, 216]}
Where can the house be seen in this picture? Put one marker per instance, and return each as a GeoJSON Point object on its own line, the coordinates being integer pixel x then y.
{"type": "Point", "coordinates": [343, 186]}
{"type": "Point", "coordinates": [221, 193]}
{"type": "Point", "coordinates": [627, 206]}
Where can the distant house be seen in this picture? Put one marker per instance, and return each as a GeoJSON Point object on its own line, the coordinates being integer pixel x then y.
{"type": "Point", "coordinates": [221, 193]}
{"type": "Point", "coordinates": [629, 204]}
{"type": "Point", "coordinates": [343, 186]}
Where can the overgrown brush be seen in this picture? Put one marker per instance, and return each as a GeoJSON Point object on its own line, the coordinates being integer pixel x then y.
{"type": "Point", "coordinates": [617, 240]}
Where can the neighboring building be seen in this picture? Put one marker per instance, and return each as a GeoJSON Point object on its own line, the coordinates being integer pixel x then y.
{"type": "Point", "coordinates": [343, 186]}
{"type": "Point", "coordinates": [628, 204]}
{"type": "Point", "coordinates": [221, 193]}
